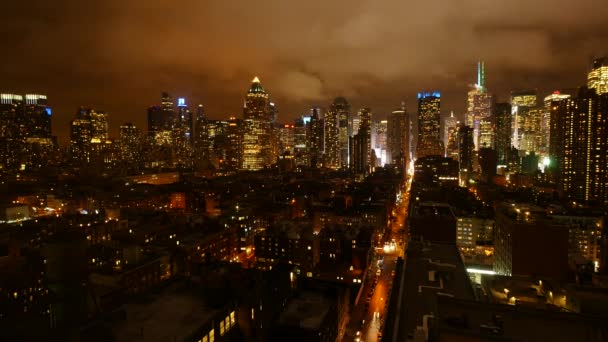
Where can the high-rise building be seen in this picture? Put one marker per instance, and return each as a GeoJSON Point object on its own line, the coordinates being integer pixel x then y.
{"type": "Point", "coordinates": [286, 139]}
{"type": "Point", "coordinates": [11, 108]}
{"type": "Point", "coordinates": [183, 136]}
{"type": "Point", "coordinates": [449, 124]}
{"type": "Point", "coordinates": [597, 78]}
{"type": "Point", "coordinates": [479, 110]}
{"type": "Point", "coordinates": [315, 137]}
{"type": "Point", "coordinates": [521, 103]}
{"type": "Point", "coordinates": [429, 125]}
{"type": "Point", "coordinates": [161, 120]}
{"type": "Point", "coordinates": [466, 151]}
{"type": "Point", "coordinates": [130, 143]}
{"type": "Point", "coordinates": [300, 136]}
{"type": "Point", "coordinates": [234, 154]}
{"type": "Point", "coordinates": [380, 141]}
{"type": "Point", "coordinates": [451, 150]}
{"type": "Point", "coordinates": [82, 135]}
{"type": "Point", "coordinates": [336, 134]}
{"type": "Point", "coordinates": [556, 131]}
{"type": "Point", "coordinates": [545, 122]}
{"type": "Point", "coordinates": [257, 135]}
{"type": "Point", "coordinates": [584, 171]}
{"type": "Point", "coordinates": [201, 140]}
{"type": "Point", "coordinates": [398, 135]}
{"type": "Point", "coordinates": [502, 124]}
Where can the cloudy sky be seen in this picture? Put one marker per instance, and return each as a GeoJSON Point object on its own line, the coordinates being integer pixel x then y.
{"type": "Point", "coordinates": [117, 55]}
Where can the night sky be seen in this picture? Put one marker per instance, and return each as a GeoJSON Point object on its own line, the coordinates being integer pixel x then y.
{"type": "Point", "coordinates": [118, 56]}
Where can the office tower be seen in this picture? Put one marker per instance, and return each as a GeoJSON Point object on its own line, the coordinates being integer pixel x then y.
{"type": "Point", "coordinates": [466, 151]}
{"type": "Point", "coordinates": [379, 141]}
{"type": "Point", "coordinates": [451, 150]}
{"type": "Point", "coordinates": [161, 120]}
{"type": "Point", "coordinates": [597, 78]}
{"type": "Point", "coordinates": [521, 103]}
{"type": "Point", "coordinates": [286, 139]}
{"type": "Point", "coordinates": [11, 107]}
{"type": "Point", "coordinates": [398, 136]}
{"type": "Point", "coordinates": [354, 125]}
{"type": "Point", "coordinates": [315, 137]}
{"type": "Point", "coordinates": [365, 127]}
{"type": "Point", "coordinates": [360, 151]}
{"type": "Point", "coordinates": [585, 143]}
{"type": "Point", "coordinates": [130, 144]}
{"type": "Point", "coordinates": [479, 110]}
{"type": "Point", "coordinates": [182, 135]}
{"type": "Point", "coordinates": [336, 134]}
{"type": "Point", "coordinates": [545, 124]}
{"type": "Point", "coordinates": [37, 144]}
{"type": "Point", "coordinates": [274, 132]}
{"type": "Point", "coordinates": [257, 135]}
{"type": "Point", "coordinates": [201, 139]}
{"type": "Point", "coordinates": [449, 123]}
{"type": "Point", "coordinates": [37, 117]}
{"type": "Point", "coordinates": [429, 125]}
{"type": "Point", "coordinates": [219, 143]}
{"type": "Point", "coordinates": [556, 130]}
{"type": "Point", "coordinates": [502, 123]}
{"type": "Point", "coordinates": [300, 136]}
{"type": "Point", "coordinates": [81, 135]}
{"type": "Point", "coordinates": [234, 155]}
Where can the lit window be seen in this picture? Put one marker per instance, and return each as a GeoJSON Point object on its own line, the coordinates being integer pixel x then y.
{"type": "Point", "coordinates": [222, 328]}
{"type": "Point", "coordinates": [232, 318]}
{"type": "Point", "coordinates": [212, 335]}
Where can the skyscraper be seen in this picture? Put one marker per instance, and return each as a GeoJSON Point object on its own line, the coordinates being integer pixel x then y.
{"type": "Point", "coordinates": [521, 103]}
{"type": "Point", "coordinates": [161, 120]}
{"type": "Point", "coordinates": [558, 108]}
{"type": "Point", "coordinates": [398, 136]}
{"type": "Point", "coordinates": [429, 125]}
{"type": "Point", "coordinates": [584, 171]}
{"type": "Point", "coordinates": [380, 141]}
{"type": "Point", "coordinates": [130, 144]}
{"type": "Point", "coordinates": [449, 124]}
{"type": "Point", "coordinates": [502, 123]}
{"type": "Point", "coordinates": [337, 134]}
{"type": "Point", "coordinates": [315, 137]}
{"type": "Point", "coordinates": [466, 151]}
{"type": "Point", "coordinates": [597, 78]}
{"type": "Point", "coordinates": [300, 138]}
{"type": "Point", "coordinates": [183, 134]}
{"type": "Point", "coordinates": [201, 139]}
{"type": "Point", "coordinates": [479, 110]}
{"type": "Point", "coordinates": [11, 108]}
{"type": "Point", "coordinates": [545, 123]}
{"type": "Point", "coordinates": [234, 155]}
{"type": "Point", "coordinates": [257, 117]}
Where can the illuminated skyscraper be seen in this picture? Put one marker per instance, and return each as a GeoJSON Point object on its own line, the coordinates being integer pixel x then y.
{"type": "Point", "coordinates": [449, 124]}
{"type": "Point", "coordinates": [286, 139]}
{"type": "Point", "coordinates": [315, 137]}
{"type": "Point", "coordinates": [257, 135]}
{"type": "Point", "coordinates": [399, 136]}
{"type": "Point", "coordinates": [502, 123]}
{"type": "Point", "coordinates": [161, 120]}
{"type": "Point", "coordinates": [584, 171]}
{"type": "Point", "coordinates": [521, 103]}
{"type": "Point", "coordinates": [597, 78]}
{"type": "Point", "coordinates": [380, 141]}
{"type": "Point", "coordinates": [545, 124]}
{"type": "Point", "coordinates": [11, 108]}
{"type": "Point", "coordinates": [336, 134]}
{"type": "Point", "coordinates": [557, 129]}
{"type": "Point", "coordinates": [479, 110]}
{"type": "Point", "coordinates": [183, 128]}
{"type": "Point", "coordinates": [81, 136]}
{"type": "Point", "coordinates": [234, 155]}
{"type": "Point", "coordinates": [429, 125]}
{"type": "Point", "coordinates": [130, 144]}
{"type": "Point", "coordinates": [201, 139]}
{"type": "Point", "coordinates": [300, 141]}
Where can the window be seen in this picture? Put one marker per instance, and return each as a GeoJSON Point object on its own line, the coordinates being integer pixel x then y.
{"type": "Point", "coordinates": [232, 318]}
{"type": "Point", "coordinates": [212, 335]}
{"type": "Point", "coordinates": [205, 339]}
{"type": "Point", "coordinates": [222, 328]}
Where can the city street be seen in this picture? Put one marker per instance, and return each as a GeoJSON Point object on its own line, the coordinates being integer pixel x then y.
{"type": "Point", "coordinates": [373, 302]}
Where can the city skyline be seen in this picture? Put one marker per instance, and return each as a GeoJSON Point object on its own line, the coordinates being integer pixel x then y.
{"type": "Point", "coordinates": [335, 55]}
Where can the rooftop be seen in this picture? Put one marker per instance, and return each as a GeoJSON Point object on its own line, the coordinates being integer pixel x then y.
{"type": "Point", "coordinates": [173, 315]}
{"type": "Point", "coordinates": [307, 311]}
{"type": "Point", "coordinates": [432, 270]}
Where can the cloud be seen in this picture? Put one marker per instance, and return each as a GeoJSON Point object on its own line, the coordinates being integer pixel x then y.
{"type": "Point", "coordinates": [120, 55]}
